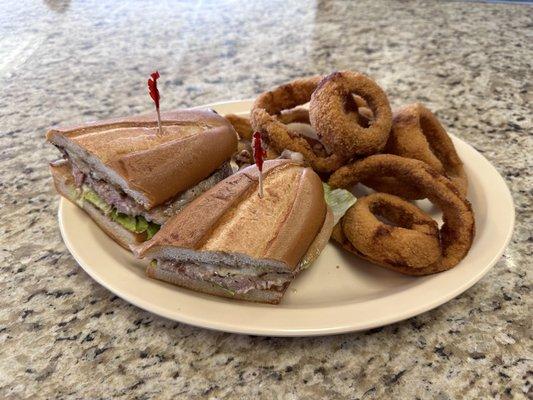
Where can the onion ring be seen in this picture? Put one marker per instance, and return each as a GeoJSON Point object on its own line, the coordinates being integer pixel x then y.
{"type": "Point", "coordinates": [364, 114]}
{"type": "Point", "coordinates": [297, 122]}
{"type": "Point", "coordinates": [333, 113]}
{"type": "Point", "coordinates": [416, 133]}
{"type": "Point", "coordinates": [265, 119]}
{"type": "Point", "coordinates": [241, 125]}
{"type": "Point", "coordinates": [297, 114]}
{"type": "Point", "coordinates": [457, 231]}
{"type": "Point", "coordinates": [414, 242]}
{"type": "Point", "coordinates": [389, 184]}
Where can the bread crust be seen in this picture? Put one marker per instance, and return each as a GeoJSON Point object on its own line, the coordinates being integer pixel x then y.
{"type": "Point", "coordinates": [216, 220]}
{"type": "Point", "coordinates": [320, 242]}
{"type": "Point", "coordinates": [194, 143]}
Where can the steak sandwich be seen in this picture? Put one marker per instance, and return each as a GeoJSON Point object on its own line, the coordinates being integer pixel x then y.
{"type": "Point", "coordinates": [230, 242]}
{"type": "Point", "coordinates": [130, 178]}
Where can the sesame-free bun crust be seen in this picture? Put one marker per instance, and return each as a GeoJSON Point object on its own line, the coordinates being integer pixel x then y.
{"type": "Point", "coordinates": [152, 168]}
{"type": "Point", "coordinates": [230, 224]}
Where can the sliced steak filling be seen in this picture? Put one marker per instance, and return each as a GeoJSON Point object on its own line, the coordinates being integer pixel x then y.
{"type": "Point", "coordinates": [234, 279]}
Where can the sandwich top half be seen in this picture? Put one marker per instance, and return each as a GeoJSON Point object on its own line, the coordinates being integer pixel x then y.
{"type": "Point", "coordinates": [150, 167]}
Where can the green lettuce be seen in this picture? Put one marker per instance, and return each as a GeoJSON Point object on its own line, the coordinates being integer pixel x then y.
{"type": "Point", "coordinates": [340, 200]}
{"type": "Point", "coordinates": [137, 224]}
{"type": "Point", "coordinates": [152, 230]}
{"type": "Point", "coordinates": [92, 197]}
{"type": "Point", "coordinates": [127, 221]}
{"type": "Point", "coordinates": [141, 224]}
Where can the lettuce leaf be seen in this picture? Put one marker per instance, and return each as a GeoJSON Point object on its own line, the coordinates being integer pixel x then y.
{"type": "Point", "coordinates": [141, 224]}
{"type": "Point", "coordinates": [92, 197]}
{"type": "Point", "coordinates": [128, 222]}
{"type": "Point", "coordinates": [152, 230]}
{"type": "Point", "coordinates": [340, 200]}
{"type": "Point", "coordinates": [137, 224]}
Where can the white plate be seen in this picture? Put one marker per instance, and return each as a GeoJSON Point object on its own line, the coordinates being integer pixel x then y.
{"type": "Point", "coordinates": [339, 293]}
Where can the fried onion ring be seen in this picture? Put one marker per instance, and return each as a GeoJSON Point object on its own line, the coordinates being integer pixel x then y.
{"type": "Point", "coordinates": [364, 114]}
{"type": "Point", "coordinates": [265, 119]}
{"type": "Point", "coordinates": [457, 231]}
{"type": "Point", "coordinates": [388, 184]}
{"type": "Point", "coordinates": [297, 122]}
{"type": "Point", "coordinates": [241, 125]}
{"type": "Point", "coordinates": [333, 113]}
{"type": "Point", "coordinates": [298, 114]}
{"type": "Point", "coordinates": [414, 242]}
{"type": "Point", "coordinates": [417, 133]}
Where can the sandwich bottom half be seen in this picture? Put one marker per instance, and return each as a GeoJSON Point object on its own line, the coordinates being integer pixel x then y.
{"type": "Point", "coordinates": [230, 282]}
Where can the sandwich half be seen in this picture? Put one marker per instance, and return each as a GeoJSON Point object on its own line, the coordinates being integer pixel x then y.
{"type": "Point", "coordinates": [230, 242]}
{"type": "Point", "coordinates": [130, 179]}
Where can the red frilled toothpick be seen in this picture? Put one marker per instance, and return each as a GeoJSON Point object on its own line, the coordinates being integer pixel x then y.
{"type": "Point", "coordinates": [154, 94]}
{"type": "Point", "coordinates": [259, 154]}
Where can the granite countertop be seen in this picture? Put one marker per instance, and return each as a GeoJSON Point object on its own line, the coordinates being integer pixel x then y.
{"type": "Point", "coordinates": [64, 336]}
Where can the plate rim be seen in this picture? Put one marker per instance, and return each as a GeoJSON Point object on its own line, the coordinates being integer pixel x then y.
{"type": "Point", "coordinates": [244, 106]}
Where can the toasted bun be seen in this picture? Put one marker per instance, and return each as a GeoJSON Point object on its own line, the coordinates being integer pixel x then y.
{"type": "Point", "coordinates": [272, 295]}
{"type": "Point", "coordinates": [152, 168]}
{"type": "Point", "coordinates": [231, 224]}
{"type": "Point", "coordinates": [321, 240]}
{"type": "Point", "coordinates": [64, 185]}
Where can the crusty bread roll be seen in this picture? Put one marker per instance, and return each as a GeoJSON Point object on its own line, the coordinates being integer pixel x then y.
{"type": "Point", "coordinates": [151, 168]}
{"type": "Point", "coordinates": [231, 227]}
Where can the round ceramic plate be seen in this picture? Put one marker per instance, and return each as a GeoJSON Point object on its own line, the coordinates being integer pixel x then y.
{"type": "Point", "coordinates": [339, 293]}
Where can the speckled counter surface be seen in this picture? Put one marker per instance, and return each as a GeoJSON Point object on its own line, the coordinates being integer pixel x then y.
{"type": "Point", "coordinates": [64, 336]}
